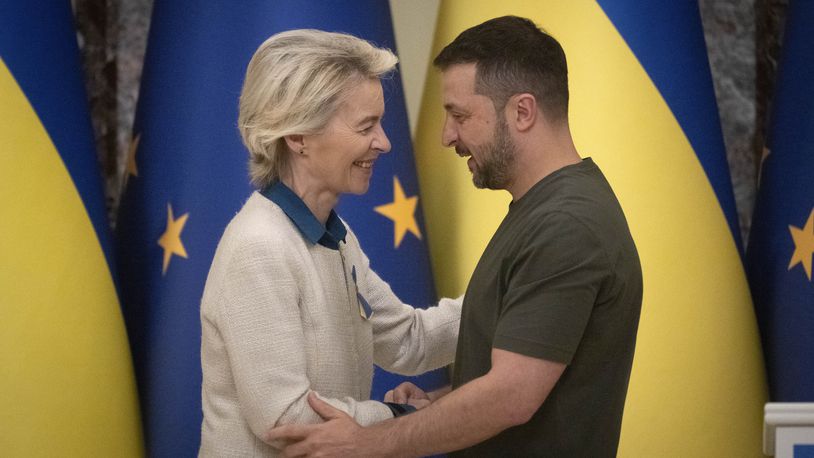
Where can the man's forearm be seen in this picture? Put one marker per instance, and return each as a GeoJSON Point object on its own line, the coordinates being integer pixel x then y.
{"type": "Point", "coordinates": [508, 395]}
{"type": "Point", "coordinates": [466, 416]}
{"type": "Point", "coordinates": [439, 393]}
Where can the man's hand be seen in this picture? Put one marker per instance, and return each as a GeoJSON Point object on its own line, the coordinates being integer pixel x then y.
{"type": "Point", "coordinates": [338, 436]}
{"type": "Point", "coordinates": [407, 393]}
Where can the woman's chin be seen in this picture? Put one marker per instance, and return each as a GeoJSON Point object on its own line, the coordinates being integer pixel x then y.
{"type": "Point", "coordinates": [359, 188]}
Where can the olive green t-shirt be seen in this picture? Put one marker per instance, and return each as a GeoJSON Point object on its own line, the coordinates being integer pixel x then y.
{"type": "Point", "coordinates": [561, 281]}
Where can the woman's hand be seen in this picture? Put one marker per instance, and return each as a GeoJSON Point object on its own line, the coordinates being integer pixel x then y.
{"type": "Point", "coordinates": [407, 393]}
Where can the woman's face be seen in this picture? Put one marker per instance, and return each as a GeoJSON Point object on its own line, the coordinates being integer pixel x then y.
{"type": "Point", "coordinates": [341, 158]}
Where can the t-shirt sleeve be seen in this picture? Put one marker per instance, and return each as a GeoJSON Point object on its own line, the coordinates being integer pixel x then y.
{"type": "Point", "coordinates": [551, 288]}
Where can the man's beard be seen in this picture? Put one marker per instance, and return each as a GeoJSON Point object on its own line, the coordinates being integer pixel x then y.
{"type": "Point", "coordinates": [497, 159]}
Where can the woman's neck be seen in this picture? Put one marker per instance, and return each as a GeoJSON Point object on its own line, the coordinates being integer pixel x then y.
{"type": "Point", "coordinates": [319, 201]}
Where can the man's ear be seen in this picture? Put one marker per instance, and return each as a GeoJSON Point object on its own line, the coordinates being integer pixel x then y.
{"type": "Point", "coordinates": [524, 111]}
{"type": "Point", "coordinates": [295, 143]}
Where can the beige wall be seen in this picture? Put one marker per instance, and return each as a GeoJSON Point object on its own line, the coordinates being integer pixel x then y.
{"type": "Point", "coordinates": [414, 24]}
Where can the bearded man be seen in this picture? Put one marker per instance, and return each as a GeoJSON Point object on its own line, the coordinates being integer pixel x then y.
{"type": "Point", "coordinates": [549, 320]}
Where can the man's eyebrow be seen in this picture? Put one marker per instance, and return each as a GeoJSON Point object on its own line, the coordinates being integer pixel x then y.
{"type": "Point", "coordinates": [450, 106]}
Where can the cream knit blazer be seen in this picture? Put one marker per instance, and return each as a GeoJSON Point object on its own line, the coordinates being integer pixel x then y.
{"type": "Point", "coordinates": [280, 317]}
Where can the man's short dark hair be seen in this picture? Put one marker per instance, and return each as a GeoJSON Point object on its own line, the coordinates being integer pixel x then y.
{"type": "Point", "coordinates": [512, 56]}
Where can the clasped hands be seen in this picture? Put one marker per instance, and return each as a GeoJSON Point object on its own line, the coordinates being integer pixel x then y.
{"type": "Point", "coordinates": [340, 435]}
{"type": "Point", "coordinates": [407, 393]}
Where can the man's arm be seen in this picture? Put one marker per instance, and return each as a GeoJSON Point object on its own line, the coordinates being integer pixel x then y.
{"type": "Point", "coordinates": [408, 393]}
{"type": "Point", "coordinates": [508, 395]}
{"type": "Point", "coordinates": [439, 393]}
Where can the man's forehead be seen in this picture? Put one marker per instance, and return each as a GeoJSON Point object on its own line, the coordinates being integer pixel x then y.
{"type": "Point", "coordinates": [458, 89]}
{"type": "Point", "coordinates": [460, 75]}
{"type": "Point", "coordinates": [458, 81]}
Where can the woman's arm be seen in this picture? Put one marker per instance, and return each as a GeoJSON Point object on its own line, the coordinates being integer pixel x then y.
{"type": "Point", "coordinates": [409, 340]}
{"type": "Point", "coordinates": [256, 313]}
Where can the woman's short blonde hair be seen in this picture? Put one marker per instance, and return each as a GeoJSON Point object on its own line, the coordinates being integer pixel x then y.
{"type": "Point", "coordinates": [294, 85]}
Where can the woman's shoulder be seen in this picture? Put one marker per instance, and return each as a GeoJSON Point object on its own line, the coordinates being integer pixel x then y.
{"type": "Point", "coordinates": [260, 222]}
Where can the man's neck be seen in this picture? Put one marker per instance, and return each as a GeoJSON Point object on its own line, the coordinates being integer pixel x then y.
{"type": "Point", "coordinates": [540, 151]}
{"type": "Point", "coordinates": [537, 164]}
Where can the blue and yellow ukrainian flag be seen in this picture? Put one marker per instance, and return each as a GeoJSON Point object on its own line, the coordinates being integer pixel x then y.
{"type": "Point", "coordinates": [781, 243]}
{"type": "Point", "coordinates": [187, 177]}
{"type": "Point", "coordinates": [67, 386]}
{"type": "Point", "coordinates": [642, 106]}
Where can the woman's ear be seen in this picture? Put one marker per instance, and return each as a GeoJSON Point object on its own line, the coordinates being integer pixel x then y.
{"type": "Point", "coordinates": [295, 143]}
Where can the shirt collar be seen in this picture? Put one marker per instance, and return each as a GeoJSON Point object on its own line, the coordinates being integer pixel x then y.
{"type": "Point", "coordinates": [329, 235]}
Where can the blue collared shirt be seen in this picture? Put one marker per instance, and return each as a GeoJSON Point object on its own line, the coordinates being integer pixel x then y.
{"type": "Point", "coordinates": [328, 235]}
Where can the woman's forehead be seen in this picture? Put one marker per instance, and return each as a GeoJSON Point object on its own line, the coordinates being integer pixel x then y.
{"type": "Point", "coordinates": [365, 99]}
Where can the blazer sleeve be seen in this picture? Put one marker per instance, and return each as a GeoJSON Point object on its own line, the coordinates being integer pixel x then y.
{"type": "Point", "coordinates": [408, 340]}
{"type": "Point", "coordinates": [258, 318]}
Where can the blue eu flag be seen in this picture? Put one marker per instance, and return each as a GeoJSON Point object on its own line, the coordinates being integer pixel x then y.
{"type": "Point", "coordinates": [187, 177]}
{"type": "Point", "coordinates": [779, 256]}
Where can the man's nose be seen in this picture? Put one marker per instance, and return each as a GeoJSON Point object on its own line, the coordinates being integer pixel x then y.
{"type": "Point", "coordinates": [448, 135]}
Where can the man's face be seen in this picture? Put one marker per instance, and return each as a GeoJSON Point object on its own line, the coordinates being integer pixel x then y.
{"type": "Point", "coordinates": [475, 130]}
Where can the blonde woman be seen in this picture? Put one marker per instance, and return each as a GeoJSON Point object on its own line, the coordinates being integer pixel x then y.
{"type": "Point", "coordinates": [291, 305]}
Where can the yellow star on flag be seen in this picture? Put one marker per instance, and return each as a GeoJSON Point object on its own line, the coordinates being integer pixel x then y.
{"type": "Point", "coordinates": [131, 156]}
{"type": "Point", "coordinates": [803, 245]}
{"type": "Point", "coordinates": [170, 240]}
{"type": "Point", "coordinates": [402, 212]}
